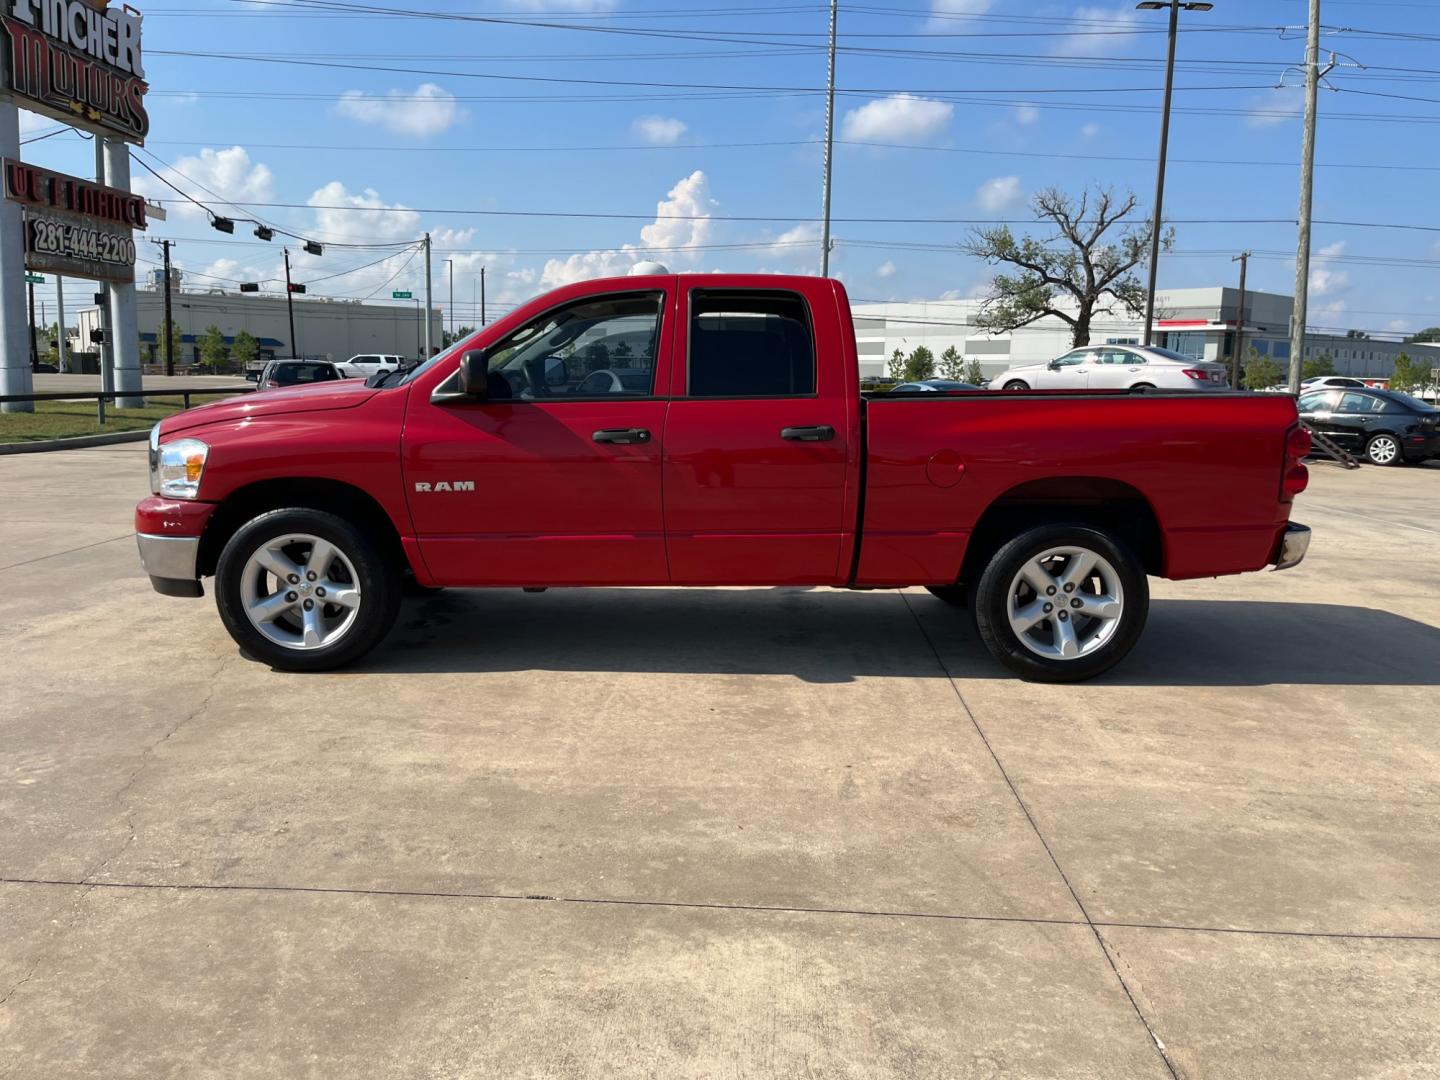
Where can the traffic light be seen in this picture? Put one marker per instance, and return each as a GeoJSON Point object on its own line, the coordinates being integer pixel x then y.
{"type": "Point", "coordinates": [264, 232]}
{"type": "Point", "coordinates": [222, 224]}
{"type": "Point", "coordinates": [97, 337]}
{"type": "Point", "coordinates": [296, 287]}
{"type": "Point", "coordinates": [312, 248]}
{"type": "Point", "coordinates": [249, 286]}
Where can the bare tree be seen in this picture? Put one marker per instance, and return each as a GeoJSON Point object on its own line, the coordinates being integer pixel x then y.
{"type": "Point", "coordinates": [1079, 267]}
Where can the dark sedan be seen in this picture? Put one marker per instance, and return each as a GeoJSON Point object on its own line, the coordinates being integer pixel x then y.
{"type": "Point", "coordinates": [1386, 426]}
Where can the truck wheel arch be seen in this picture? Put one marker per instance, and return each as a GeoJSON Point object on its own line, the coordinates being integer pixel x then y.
{"type": "Point", "coordinates": [311, 493]}
{"type": "Point", "coordinates": [1112, 505]}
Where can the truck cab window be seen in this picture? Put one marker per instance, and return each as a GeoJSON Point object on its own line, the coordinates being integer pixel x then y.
{"type": "Point", "coordinates": [596, 348]}
{"type": "Point", "coordinates": [750, 344]}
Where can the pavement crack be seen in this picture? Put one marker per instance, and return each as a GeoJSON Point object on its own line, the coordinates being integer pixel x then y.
{"type": "Point", "coordinates": [146, 757]}
{"type": "Point", "coordinates": [1044, 843]}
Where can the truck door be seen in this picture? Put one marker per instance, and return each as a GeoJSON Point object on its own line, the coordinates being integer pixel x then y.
{"type": "Point", "coordinates": [554, 478]}
{"type": "Point", "coordinates": [757, 437]}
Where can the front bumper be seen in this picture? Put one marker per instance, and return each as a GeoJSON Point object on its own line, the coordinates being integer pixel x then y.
{"type": "Point", "coordinates": [167, 532]}
{"type": "Point", "coordinates": [1293, 546]}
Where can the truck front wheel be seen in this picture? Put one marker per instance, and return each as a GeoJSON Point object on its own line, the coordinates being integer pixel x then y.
{"type": "Point", "coordinates": [305, 590]}
{"type": "Point", "coordinates": [1061, 603]}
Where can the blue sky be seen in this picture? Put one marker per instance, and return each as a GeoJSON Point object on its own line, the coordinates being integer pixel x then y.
{"type": "Point", "coordinates": [978, 104]}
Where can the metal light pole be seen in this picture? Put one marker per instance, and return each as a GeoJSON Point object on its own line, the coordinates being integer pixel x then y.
{"type": "Point", "coordinates": [1244, 260]}
{"type": "Point", "coordinates": [482, 296]}
{"type": "Point", "coordinates": [62, 347]}
{"type": "Point", "coordinates": [450, 311]}
{"type": "Point", "coordinates": [829, 146]}
{"type": "Point", "coordinates": [290, 306]}
{"type": "Point", "coordinates": [429, 300]}
{"type": "Point", "coordinates": [1155, 221]}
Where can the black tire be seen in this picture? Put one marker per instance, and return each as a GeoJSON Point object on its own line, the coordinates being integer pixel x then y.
{"type": "Point", "coordinates": [1016, 384]}
{"type": "Point", "coordinates": [992, 595]}
{"type": "Point", "coordinates": [956, 595]}
{"type": "Point", "coordinates": [377, 579]}
{"type": "Point", "coordinates": [1375, 449]}
{"type": "Point", "coordinates": [1141, 387]}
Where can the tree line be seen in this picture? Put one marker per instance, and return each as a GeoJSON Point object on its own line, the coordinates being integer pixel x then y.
{"type": "Point", "coordinates": [921, 364]}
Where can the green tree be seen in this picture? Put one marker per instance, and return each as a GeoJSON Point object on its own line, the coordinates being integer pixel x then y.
{"type": "Point", "coordinates": [1410, 374]}
{"type": "Point", "coordinates": [952, 364]}
{"type": "Point", "coordinates": [1430, 333]}
{"type": "Point", "coordinates": [1323, 364]}
{"type": "Point", "coordinates": [245, 350]}
{"type": "Point", "coordinates": [157, 350]}
{"type": "Point", "coordinates": [1078, 264]}
{"type": "Point", "coordinates": [460, 334]}
{"type": "Point", "coordinates": [896, 366]}
{"type": "Point", "coordinates": [214, 353]}
{"type": "Point", "coordinates": [974, 373]}
{"type": "Point", "coordinates": [1357, 335]}
{"type": "Point", "coordinates": [919, 365]}
{"type": "Point", "coordinates": [1260, 371]}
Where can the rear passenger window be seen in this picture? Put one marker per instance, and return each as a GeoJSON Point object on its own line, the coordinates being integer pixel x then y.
{"type": "Point", "coordinates": [750, 344]}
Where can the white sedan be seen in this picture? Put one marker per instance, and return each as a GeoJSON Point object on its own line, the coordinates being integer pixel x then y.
{"type": "Point", "coordinates": [1116, 367]}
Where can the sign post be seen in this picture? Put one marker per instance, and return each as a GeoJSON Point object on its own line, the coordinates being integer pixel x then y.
{"type": "Point", "coordinates": [78, 62]}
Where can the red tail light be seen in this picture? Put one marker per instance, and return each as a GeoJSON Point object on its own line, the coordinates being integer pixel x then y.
{"type": "Point", "coordinates": [1296, 477]}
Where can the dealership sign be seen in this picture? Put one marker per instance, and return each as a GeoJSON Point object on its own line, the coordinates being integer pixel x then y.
{"type": "Point", "coordinates": [77, 61]}
{"type": "Point", "coordinates": [75, 227]}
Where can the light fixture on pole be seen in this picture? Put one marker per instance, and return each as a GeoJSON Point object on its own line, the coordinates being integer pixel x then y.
{"type": "Point", "coordinates": [1156, 219]}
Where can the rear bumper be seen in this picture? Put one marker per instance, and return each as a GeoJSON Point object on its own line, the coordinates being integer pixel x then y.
{"type": "Point", "coordinates": [1293, 545]}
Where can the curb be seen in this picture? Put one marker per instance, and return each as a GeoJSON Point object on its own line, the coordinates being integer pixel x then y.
{"type": "Point", "coordinates": [78, 443]}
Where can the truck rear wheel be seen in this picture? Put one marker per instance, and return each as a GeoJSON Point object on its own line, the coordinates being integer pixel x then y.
{"type": "Point", "coordinates": [1061, 603]}
{"type": "Point", "coordinates": [305, 590]}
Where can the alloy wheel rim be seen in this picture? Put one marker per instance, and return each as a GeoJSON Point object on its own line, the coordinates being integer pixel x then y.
{"type": "Point", "coordinates": [300, 591]}
{"type": "Point", "coordinates": [1065, 603]}
{"type": "Point", "coordinates": [1384, 449]}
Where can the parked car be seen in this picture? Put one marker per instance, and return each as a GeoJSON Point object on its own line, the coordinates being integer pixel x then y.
{"type": "Point", "coordinates": [1386, 426]}
{"type": "Point", "coordinates": [294, 372]}
{"type": "Point", "coordinates": [932, 385]}
{"type": "Point", "coordinates": [744, 454]}
{"type": "Point", "coordinates": [1321, 382]}
{"type": "Point", "coordinates": [1116, 367]}
{"type": "Point", "coordinates": [45, 369]}
{"type": "Point", "coordinates": [366, 364]}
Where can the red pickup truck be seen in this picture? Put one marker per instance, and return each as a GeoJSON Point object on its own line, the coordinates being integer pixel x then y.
{"type": "Point", "coordinates": [709, 430]}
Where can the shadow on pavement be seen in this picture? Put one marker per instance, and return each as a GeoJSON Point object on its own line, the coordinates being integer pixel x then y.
{"type": "Point", "coordinates": [834, 637]}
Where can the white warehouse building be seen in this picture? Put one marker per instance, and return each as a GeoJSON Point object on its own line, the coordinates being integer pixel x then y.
{"type": "Point", "coordinates": [1197, 322]}
{"type": "Point", "coordinates": [325, 329]}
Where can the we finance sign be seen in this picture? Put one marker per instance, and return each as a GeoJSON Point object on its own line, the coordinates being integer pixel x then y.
{"type": "Point", "coordinates": [77, 61]}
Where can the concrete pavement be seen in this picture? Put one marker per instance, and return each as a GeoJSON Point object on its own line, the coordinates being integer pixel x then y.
{"type": "Point", "coordinates": [735, 833]}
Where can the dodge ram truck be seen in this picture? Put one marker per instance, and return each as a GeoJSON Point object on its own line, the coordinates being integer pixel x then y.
{"type": "Point", "coordinates": [709, 430]}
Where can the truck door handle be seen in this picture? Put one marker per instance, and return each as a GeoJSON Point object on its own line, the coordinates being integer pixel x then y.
{"type": "Point", "coordinates": [818, 433]}
{"type": "Point", "coordinates": [624, 436]}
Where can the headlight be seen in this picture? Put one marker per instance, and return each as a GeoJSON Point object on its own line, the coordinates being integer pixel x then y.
{"type": "Point", "coordinates": [180, 466]}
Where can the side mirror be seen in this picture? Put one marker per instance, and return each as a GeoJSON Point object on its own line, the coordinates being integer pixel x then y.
{"type": "Point", "coordinates": [473, 372]}
{"type": "Point", "coordinates": [1054, 365]}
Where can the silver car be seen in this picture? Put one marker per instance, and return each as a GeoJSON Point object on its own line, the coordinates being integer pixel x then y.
{"type": "Point", "coordinates": [1116, 367]}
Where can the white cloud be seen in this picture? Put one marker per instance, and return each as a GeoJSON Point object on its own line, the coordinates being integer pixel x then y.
{"type": "Point", "coordinates": [945, 13]}
{"type": "Point", "coordinates": [230, 174]}
{"type": "Point", "coordinates": [1026, 114]}
{"type": "Point", "coordinates": [661, 130]}
{"type": "Point", "coordinates": [683, 223]}
{"type": "Point", "coordinates": [1278, 107]}
{"type": "Point", "coordinates": [1099, 30]}
{"type": "Point", "coordinates": [998, 193]}
{"type": "Point", "coordinates": [364, 217]}
{"type": "Point", "coordinates": [898, 118]}
{"type": "Point", "coordinates": [1089, 131]}
{"type": "Point", "coordinates": [427, 110]}
{"type": "Point", "coordinates": [1325, 280]}
{"type": "Point", "coordinates": [887, 269]}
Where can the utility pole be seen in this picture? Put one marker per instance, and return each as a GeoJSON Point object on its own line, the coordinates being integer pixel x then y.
{"type": "Point", "coordinates": [829, 146]}
{"type": "Point", "coordinates": [34, 353]}
{"type": "Point", "coordinates": [429, 299]}
{"type": "Point", "coordinates": [482, 296]}
{"type": "Point", "coordinates": [1156, 220]}
{"type": "Point", "coordinates": [106, 350]}
{"type": "Point", "coordinates": [170, 337]}
{"type": "Point", "coordinates": [61, 345]}
{"type": "Point", "coordinates": [1300, 314]}
{"type": "Point", "coordinates": [290, 305]}
{"type": "Point", "coordinates": [1244, 260]}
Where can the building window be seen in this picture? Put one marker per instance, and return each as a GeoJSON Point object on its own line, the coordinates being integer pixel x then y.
{"type": "Point", "coordinates": [1281, 350]}
{"type": "Point", "coordinates": [1187, 344]}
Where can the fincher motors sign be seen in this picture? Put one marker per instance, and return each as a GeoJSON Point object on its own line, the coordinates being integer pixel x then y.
{"type": "Point", "coordinates": [79, 62]}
